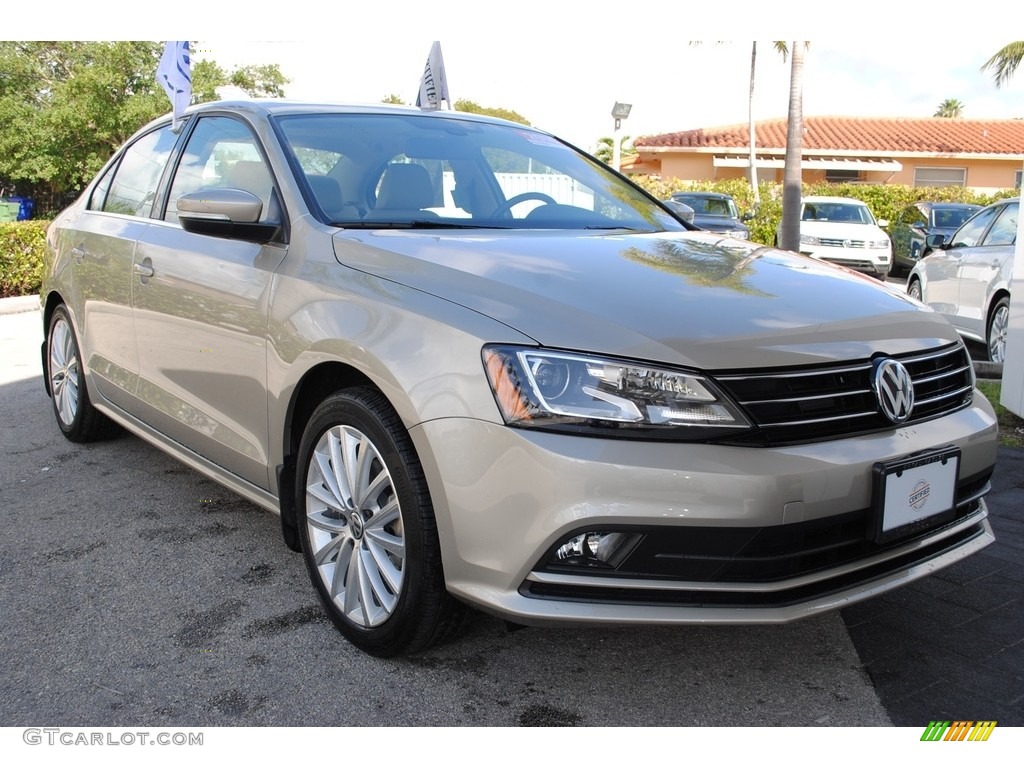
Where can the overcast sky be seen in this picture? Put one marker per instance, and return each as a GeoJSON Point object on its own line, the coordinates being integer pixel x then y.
{"type": "Point", "coordinates": [563, 64]}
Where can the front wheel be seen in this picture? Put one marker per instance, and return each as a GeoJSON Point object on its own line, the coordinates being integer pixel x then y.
{"type": "Point", "coordinates": [367, 527]}
{"type": "Point", "coordinates": [914, 290]}
{"type": "Point", "coordinates": [999, 322]}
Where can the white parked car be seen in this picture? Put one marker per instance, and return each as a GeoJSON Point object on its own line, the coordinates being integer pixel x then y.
{"type": "Point", "coordinates": [843, 231]}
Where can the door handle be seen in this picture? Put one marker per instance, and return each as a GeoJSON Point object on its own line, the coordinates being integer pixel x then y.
{"type": "Point", "coordinates": [78, 253]}
{"type": "Point", "coordinates": [143, 270]}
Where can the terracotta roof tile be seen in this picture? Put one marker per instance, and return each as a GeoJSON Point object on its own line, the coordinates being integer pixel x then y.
{"type": "Point", "coordinates": [867, 134]}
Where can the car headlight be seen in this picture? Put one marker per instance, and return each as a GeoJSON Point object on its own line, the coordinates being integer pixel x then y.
{"type": "Point", "coordinates": [810, 240]}
{"type": "Point", "coordinates": [741, 234]}
{"type": "Point", "coordinates": [884, 243]}
{"type": "Point", "coordinates": [570, 392]}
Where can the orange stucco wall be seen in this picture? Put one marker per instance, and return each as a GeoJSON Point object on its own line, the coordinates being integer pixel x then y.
{"type": "Point", "coordinates": [982, 175]}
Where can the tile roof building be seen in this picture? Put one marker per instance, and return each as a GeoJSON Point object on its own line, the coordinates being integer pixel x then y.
{"type": "Point", "coordinates": [986, 155]}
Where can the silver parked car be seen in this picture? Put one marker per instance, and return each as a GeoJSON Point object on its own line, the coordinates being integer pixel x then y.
{"type": "Point", "coordinates": [967, 277]}
{"type": "Point", "coordinates": [471, 366]}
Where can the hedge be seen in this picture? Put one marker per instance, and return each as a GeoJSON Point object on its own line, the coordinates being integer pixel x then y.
{"type": "Point", "coordinates": [886, 201]}
{"type": "Point", "coordinates": [22, 245]}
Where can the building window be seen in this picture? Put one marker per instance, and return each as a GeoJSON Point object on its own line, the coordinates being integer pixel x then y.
{"type": "Point", "coordinates": [1016, 179]}
{"type": "Point", "coordinates": [837, 176]}
{"type": "Point", "coordinates": [940, 177]}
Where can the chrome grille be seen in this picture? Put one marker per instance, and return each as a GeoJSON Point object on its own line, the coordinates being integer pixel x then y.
{"type": "Point", "coordinates": [838, 242]}
{"type": "Point", "coordinates": [802, 405]}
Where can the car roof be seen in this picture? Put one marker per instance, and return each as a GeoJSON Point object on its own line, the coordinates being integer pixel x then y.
{"type": "Point", "coordinates": [270, 107]}
{"type": "Point", "coordinates": [826, 199]}
{"type": "Point", "coordinates": [694, 193]}
{"type": "Point", "coordinates": [943, 205]}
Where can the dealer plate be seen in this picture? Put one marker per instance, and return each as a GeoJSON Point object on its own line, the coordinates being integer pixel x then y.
{"type": "Point", "coordinates": [915, 492]}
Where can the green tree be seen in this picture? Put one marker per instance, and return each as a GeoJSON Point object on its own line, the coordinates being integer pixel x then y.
{"type": "Point", "coordinates": [258, 81]}
{"type": "Point", "coordinates": [66, 106]}
{"type": "Point", "coordinates": [606, 148]}
{"type": "Point", "coordinates": [1005, 62]}
{"type": "Point", "coordinates": [950, 108]}
{"type": "Point", "coordinates": [392, 98]}
{"type": "Point", "coordinates": [465, 105]}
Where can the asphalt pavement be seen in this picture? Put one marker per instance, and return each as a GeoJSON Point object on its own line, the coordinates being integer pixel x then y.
{"type": "Point", "coordinates": [134, 591]}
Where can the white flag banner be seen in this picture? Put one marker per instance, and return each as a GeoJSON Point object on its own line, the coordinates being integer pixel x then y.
{"type": "Point", "coordinates": [434, 85]}
{"type": "Point", "coordinates": [175, 76]}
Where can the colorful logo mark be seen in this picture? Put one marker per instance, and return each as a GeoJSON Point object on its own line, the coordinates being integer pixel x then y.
{"type": "Point", "coordinates": [958, 730]}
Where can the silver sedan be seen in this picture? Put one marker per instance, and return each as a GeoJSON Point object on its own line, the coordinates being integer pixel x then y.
{"type": "Point", "coordinates": [967, 277]}
{"type": "Point", "coordinates": [472, 366]}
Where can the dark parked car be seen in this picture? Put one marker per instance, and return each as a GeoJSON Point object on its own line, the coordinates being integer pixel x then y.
{"type": "Point", "coordinates": [917, 222]}
{"type": "Point", "coordinates": [716, 212]}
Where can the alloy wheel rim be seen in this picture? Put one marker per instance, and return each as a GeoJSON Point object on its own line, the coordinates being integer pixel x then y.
{"type": "Point", "coordinates": [64, 372]}
{"type": "Point", "coordinates": [355, 528]}
{"type": "Point", "coordinates": [997, 335]}
{"type": "Point", "coordinates": [915, 291]}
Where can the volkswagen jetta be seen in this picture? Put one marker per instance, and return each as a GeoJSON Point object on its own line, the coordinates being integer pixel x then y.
{"type": "Point", "coordinates": [470, 365]}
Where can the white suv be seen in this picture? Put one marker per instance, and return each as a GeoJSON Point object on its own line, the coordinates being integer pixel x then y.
{"type": "Point", "coordinates": [843, 231]}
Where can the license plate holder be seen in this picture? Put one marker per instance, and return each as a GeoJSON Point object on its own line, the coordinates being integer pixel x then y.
{"type": "Point", "coordinates": [915, 492]}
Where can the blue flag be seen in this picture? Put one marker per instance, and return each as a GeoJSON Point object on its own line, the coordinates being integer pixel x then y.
{"type": "Point", "coordinates": [175, 76]}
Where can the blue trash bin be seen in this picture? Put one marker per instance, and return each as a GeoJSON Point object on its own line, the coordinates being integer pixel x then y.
{"type": "Point", "coordinates": [25, 206]}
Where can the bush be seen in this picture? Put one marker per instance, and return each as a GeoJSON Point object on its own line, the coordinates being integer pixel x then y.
{"type": "Point", "coordinates": [886, 201]}
{"type": "Point", "coordinates": [22, 246]}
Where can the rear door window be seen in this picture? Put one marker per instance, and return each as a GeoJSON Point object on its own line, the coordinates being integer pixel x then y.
{"type": "Point", "coordinates": [134, 186]}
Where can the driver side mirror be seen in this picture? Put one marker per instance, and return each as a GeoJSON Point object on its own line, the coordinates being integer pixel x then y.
{"type": "Point", "coordinates": [225, 212]}
{"type": "Point", "coordinates": [936, 242]}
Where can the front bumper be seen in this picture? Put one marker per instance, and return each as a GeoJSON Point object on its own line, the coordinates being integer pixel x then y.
{"type": "Point", "coordinates": [505, 498]}
{"type": "Point", "coordinates": [876, 261]}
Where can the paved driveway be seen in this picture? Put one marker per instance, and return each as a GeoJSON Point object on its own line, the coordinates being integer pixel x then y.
{"type": "Point", "coordinates": [134, 591]}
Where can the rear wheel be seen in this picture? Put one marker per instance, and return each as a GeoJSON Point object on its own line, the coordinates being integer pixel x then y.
{"type": "Point", "coordinates": [367, 527]}
{"type": "Point", "coordinates": [998, 322]}
{"type": "Point", "coordinates": [76, 417]}
{"type": "Point", "coordinates": [914, 290]}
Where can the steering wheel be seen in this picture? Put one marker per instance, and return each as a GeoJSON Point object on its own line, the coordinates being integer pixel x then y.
{"type": "Point", "coordinates": [512, 202]}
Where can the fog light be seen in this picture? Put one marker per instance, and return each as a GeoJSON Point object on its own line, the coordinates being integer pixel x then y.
{"type": "Point", "coordinates": [596, 548]}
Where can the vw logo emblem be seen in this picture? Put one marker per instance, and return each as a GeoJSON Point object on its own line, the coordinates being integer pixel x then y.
{"type": "Point", "coordinates": [355, 524]}
{"type": "Point", "coordinates": [847, 243]}
{"type": "Point", "coordinates": [894, 389]}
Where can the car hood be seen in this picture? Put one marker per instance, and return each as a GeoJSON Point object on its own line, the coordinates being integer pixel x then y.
{"type": "Point", "coordinates": [718, 223]}
{"type": "Point", "coordinates": [841, 230]}
{"type": "Point", "coordinates": [689, 298]}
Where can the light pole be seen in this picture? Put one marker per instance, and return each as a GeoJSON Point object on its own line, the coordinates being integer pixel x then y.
{"type": "Point", "coordinates": [620, 112]}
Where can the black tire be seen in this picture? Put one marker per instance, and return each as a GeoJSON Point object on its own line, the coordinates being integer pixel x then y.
{"type": "Point", "coordinates": [995, 330]}
{"type": "Point", "coordinates": [914, 290]}
{"type": "Point", "coordinates": [77, 418]}
{"type": "Point", "coordinates": [391, 599]}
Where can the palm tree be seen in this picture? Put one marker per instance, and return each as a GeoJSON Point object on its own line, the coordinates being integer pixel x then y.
{"type": "Point", "coordinates": [781, 47]}
{"type": "Point", "coordinates": [950, 108]}
{"type": "Point", "coordinates": [789, 231]}
{"type": "Point", "coordinates": [1005, 62]}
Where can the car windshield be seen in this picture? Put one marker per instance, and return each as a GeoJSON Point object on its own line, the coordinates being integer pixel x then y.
{"type": "Point", "coordinates": [951, 218]}
{"type": "Point", "coordinates": [432, 171]}
{"type": "Point", "coordinates": [710, 206]}
{"type": "Point", "coordinates": [846, 213]}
